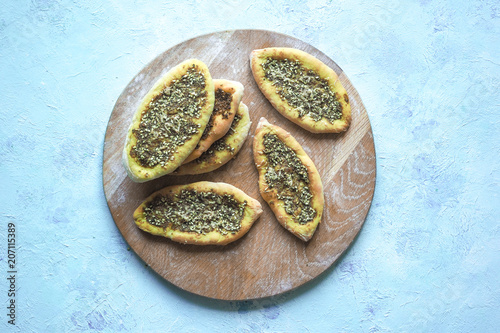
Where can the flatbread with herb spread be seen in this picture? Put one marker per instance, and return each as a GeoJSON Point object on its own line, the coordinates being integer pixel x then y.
{"type": "Point", "coordinates": [228, 96]}
{"type": "Point", "coordinates": [169, 121]}
{"type": "Point", "coordinates": [202, 213]}
{"type": "Point", "coordinates": [222, 150]}
{"type": "Point", "coordinates": [288, 180]}
{"type": "Point", "coordinates": [302, 88]}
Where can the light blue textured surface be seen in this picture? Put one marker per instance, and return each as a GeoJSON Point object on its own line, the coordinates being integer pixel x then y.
{"type": "Point", "coordinates": [428, 256]}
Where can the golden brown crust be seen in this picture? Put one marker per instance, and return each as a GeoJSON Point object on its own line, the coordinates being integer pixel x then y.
{"type": "Point", "coordinates": [135, 170]}
{"type": "Point", "coordinates": [303, 231]}
{"type": "Point", "coordinates": [221, 122]}
{"type": "Point", "coordinates": [258, 57]}
{"type": "Point", "coordinates": [252, 212]}
{"type": "Point", "coordinates": [233, 141]}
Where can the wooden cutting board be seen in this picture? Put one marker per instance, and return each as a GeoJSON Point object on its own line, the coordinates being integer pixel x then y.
{"type": "Point", "coordinates": [268, 260]}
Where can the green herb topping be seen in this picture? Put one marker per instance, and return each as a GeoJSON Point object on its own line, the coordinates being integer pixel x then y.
{"type": "Point", "coordinates": [303, 89]}
{"type": "Point", "coordinates": [286, 173]}
{"type": "Point", "coordinates": [168, 121]}
{"type": "Point", "coordinates": [193, 211]}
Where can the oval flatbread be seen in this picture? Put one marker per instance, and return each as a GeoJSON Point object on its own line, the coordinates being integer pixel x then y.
{"type": "Point", "coordinates": [202, 213]}
{"type": "Point", "coordinates": [222, 150]}
{"type": "Point", "coordinates": [302, 88]}
{"type": "Point", "coordinates": [169, 121]}
{"type": "Point", "coordinates": [228, 96]}
{"type": "Point", "coordinates": [288, 180]}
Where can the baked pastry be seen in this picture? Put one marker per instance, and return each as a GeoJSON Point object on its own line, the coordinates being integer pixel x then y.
{"type": "Point", "coordinates": [202, 213]}
{"type": "Point", "coordinates": [302, 88]}
{"type": "Point", "coordinates": [222, 150]}
{"type": "Point", "coordinates": [169, 121]}
{"type": "Point", "coordinates": [288, 180]}
{"type": "Point", "coordinates": [228, 96]}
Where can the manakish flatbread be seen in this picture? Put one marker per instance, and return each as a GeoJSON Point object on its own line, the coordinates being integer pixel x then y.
{"type": "Point", "coordinates": [288, 180]}
{"type": "Point", "coordinates": [202, 213]}
{"type": "Point", "coordinates": [222, 150]}
{"type": "Point", "coordinates": [302, 88]}
{"type": "Point", "coordinates": [228, 96]}
{"type": "Point", "coordinates": [169, 121]}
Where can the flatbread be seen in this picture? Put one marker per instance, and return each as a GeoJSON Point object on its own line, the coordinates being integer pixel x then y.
{"type": "Point", "coordinates": [169, 122]}
{"type": "Point", "coordinates": [228, 96]}
{"type": "Point", "coordinates": [302, 88]}
{"type": "Point", "coordinates": [222, 150]}
{"type": "Point", "coordinates": [202, 213]}
{"type": "Point", "coordinates": [288, 180]}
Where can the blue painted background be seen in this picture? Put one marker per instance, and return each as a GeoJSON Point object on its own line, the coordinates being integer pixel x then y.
{"type": "Point", "coordinates": [428, 256]}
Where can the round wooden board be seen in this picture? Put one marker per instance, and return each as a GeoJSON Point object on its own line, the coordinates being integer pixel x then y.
{"type": "Point", "coordinates": [268, 260]}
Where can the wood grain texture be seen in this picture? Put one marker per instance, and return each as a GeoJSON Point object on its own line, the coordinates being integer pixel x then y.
{"type": "Point", "coordinates": [268, 260]}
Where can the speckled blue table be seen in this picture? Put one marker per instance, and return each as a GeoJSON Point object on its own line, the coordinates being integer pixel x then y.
{"type": "Point", "coordinates": [428, 256]}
